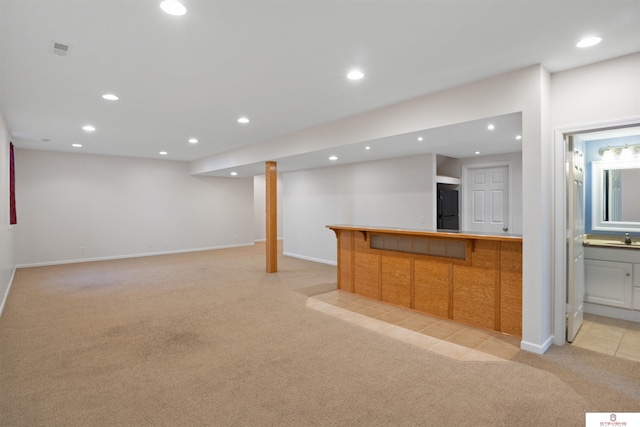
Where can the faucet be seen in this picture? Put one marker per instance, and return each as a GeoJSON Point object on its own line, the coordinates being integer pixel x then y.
{"type": "Point", "coordinates": [627, 239]}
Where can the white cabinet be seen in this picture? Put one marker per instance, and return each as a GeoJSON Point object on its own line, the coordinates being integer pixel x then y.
{"type": "Point", "coordinates": [608, 283]}
{"type": "Point", "coordinates": [636, 287]}
{"type": "Point", "coordinates": [612, 277]}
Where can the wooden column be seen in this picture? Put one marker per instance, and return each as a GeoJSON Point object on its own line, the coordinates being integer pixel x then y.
{"type": "Point", "coordinates": [271, 173]}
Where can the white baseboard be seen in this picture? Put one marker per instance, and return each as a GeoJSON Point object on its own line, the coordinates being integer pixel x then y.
{"type": "Point", "coordinates": [536, 348]}
{"type": "Point", "coordinates": [615, 312]}
{"type": "Point", "coordinates": [6, 294]}
{"type": "Point", "coordinates": [308, 258]}
{"type": "Point", "coordinates": [264, 240]}
{"type": "Point", "coordinates": [114, 257]}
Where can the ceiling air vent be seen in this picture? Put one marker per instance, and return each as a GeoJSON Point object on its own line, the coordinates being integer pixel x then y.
{"type": "Point", "coordinates": [61, 49]}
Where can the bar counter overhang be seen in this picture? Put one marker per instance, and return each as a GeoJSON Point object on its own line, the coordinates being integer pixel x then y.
{"type": "Point", "coordinates": [471, 278]}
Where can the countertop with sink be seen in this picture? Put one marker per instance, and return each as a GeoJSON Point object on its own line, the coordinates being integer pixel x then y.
{"type": "Point", "coordinates": [599, 240]}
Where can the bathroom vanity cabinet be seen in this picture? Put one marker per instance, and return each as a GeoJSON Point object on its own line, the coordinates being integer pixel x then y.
{"type": "Point", "coordinates": [608, 283]}
{"type": "Point", "coordinates": [612, 277]}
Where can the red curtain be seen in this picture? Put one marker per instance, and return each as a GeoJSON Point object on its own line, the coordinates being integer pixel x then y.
{"type": "Point", "coordinates": [12, 187]}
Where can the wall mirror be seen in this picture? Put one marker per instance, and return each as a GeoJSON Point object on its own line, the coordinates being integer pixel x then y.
{"type": "Point", "coordinates": [615, 201]}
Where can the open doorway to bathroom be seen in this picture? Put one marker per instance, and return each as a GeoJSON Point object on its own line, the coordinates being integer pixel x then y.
{"type": "Point", "coordinates": [598, 307]}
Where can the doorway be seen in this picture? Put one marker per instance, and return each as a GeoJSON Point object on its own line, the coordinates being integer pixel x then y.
{"type": "Point", "coordinates": [487, 201]}
{"type": "Point", "coordinates": [567, 216]}
{"type": "Point", "coordinates": [575, 234]}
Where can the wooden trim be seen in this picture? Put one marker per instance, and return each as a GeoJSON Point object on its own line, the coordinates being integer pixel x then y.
{"type": "Point", "coordinates": [450, 291]}
{"type": "Point", "coordinates": [417, 232]}
{"type": "Point", "coordinates": [412, 290]}
{"type": "Point", "coordinates": [379, 274]}
{"type": "Point", "coordinates": [339, 257]}
{"type": "Point", "coordinates": [271, 173]}
{"type": "Point", "coordinates": [497, 287]}
{"type": "Point", "coordinates": [352, 284]}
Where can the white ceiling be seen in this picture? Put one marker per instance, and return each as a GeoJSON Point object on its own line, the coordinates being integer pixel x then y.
{"type": "Point", "coordinates": [459, 141]}
{"type": "Point", "coordinates": [281, 63]}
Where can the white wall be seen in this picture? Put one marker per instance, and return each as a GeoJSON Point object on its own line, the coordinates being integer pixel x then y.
{"type": "Point", "coordinates": [393, 193]}
{"type": "Point", "coordinates": [7, 265]}
{"type": "Point", "coordinates": [259, 207]}
{"type": "Point", "coordinates": [76, 207]}
{"type": "Point", "coordinates": [583, 99]}
{"type": "Point", "coordinates": [595, 93]}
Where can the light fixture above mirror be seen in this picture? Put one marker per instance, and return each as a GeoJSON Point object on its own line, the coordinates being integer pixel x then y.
{"type": "Point", "coordinates": [623, 152]}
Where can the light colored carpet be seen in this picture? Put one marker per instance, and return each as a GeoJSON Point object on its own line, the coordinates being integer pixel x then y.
{"type": "Point", "coordinates": [209, 338]}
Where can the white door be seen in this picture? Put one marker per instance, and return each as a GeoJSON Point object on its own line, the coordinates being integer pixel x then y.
{"type": "Point", "coordinates": [486, 199]}
{"type": "Point", "coordinates": [575, 235]}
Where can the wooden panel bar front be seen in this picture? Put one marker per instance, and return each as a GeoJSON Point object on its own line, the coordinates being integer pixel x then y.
{"type": "Point", "coordinates": [395, 279]}
{"type": "Point", "coordinates": [432, 287]}
{"type": "Point", "coordinates": [511, 288]}
{"type": "Point", "coordinates": [345, 260]}
{"type": "Point", "coordinates": [483, 290]}
{"type": "Point", "coordinates": [366, 278]}
{"type": "Point", "coordinates": [474, 286]}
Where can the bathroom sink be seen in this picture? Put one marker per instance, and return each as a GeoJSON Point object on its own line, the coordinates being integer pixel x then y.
{"type": "Point", "coordinates": [624, 245]}
{"type": "Point", "coordinates": [632, 245]}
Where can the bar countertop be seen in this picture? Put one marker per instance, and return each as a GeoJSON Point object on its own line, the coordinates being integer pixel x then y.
{"type": "Point", "coordinates": [452, 234]}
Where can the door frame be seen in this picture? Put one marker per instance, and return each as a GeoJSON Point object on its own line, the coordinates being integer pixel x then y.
{"type": "Point", "coordinates": [464, 188]}
{"type": "Point", "coordinates": [559, 217]}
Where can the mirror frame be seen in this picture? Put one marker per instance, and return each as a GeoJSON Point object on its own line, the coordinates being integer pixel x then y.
{"type": "Point", "coordinates": [597, 223]}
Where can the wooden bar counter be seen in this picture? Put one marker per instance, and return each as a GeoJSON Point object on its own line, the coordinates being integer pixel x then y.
{"type": "Point", "coordinates": [471, 278]}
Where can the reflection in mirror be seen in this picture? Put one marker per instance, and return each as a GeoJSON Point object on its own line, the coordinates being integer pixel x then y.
{"type": "Point", "coordinates": [616, 206]}
{"type": "Point", "coordinates": [630, 211]}
{"type": "Point", "coordinates": [620, 188]}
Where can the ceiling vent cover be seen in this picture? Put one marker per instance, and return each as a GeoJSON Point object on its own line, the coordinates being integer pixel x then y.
{"type": "Point", "coordinates": [61, 49]}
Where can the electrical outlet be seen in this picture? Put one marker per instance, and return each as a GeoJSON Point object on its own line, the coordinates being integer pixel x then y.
{"type": "Point", "coordinates": [82, 249]}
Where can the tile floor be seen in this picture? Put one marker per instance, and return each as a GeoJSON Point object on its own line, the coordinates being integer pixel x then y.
{"type": "Point", "coordinates": [438, 335]}
{"type": "Point", "coordinates": [610, 336]}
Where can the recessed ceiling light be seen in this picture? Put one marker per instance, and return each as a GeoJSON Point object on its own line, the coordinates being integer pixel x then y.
{"type": "Point", "coordinates": [477, 152]}
{"type": "Point", "coordinates": [333, 158]}
{"type": "Point", "coordinates": [76, 145]}
{"type": "Point", "coordinates": [589, 41]}
{"type": "Point", "coordinates": [233, 173]}
{"type": "Point", "coordinates": [163, 153]}
{"type": "Point", "coordinates": [519, 137]}
{"type": "Point", "coordinates": [173, 7]}
{"type": "Point", "coordinates": [88, 128]}
{"type": "Point", "coordinates": [367, 148]}
{"type": "Point", "coordinates": [355, 75]}
{"type": "Point", "coordinates": [110, 97]}
{"type": "Point", "coordinates": [243, 120]}
{"type": "Point", "coordinates": [491, 127]}
{"type": "Point", "coordinates": [193, 141]}
{"type": "Point", "coordinates": [419, 138]}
